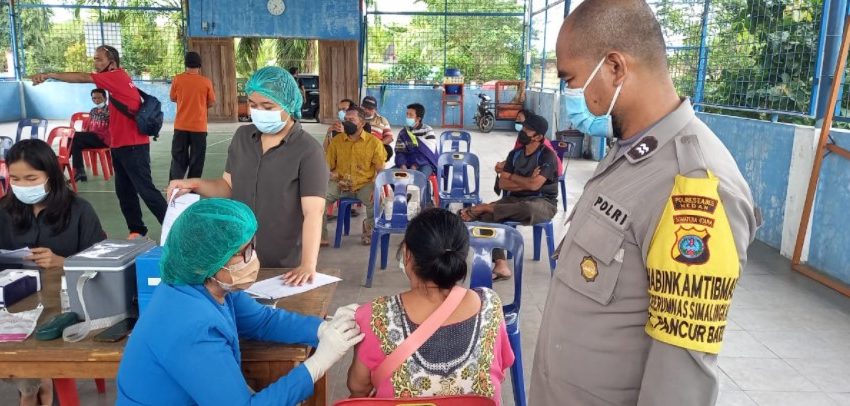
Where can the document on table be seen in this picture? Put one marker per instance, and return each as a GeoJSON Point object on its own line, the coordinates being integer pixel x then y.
{"type": "Point", "coordinates": [275, 288]}
{"type": "Point", "coordinates": [176, 206]}
{"type": "Point", "coordinates": [16, 256]}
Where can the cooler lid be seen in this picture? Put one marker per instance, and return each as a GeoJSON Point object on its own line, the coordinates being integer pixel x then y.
{"type": "Point", "coordinates": [109, 254]}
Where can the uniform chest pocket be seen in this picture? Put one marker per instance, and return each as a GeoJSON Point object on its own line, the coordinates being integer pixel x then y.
{"type": "Point", "coordinates": [594, 260]}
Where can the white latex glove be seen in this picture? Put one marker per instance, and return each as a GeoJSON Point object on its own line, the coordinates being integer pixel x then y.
{"type": "Point", "coordinates": [334, 341]}
{"type": "Point", "coordinates": [342, 313]}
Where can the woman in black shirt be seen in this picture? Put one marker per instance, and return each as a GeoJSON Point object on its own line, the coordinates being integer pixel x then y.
{"type": "Point", "coordinates": [42, 213]}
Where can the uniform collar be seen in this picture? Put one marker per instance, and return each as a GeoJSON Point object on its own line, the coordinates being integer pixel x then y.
{"type": "Point", "coordinates": [661, 133]}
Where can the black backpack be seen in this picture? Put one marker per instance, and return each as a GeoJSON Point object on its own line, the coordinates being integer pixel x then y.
{"type": "Point", "coordinates": [148, 118]}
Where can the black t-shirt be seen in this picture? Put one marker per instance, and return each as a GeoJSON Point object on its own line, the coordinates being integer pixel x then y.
{"type": "Point", "coordinates": [521, 164]}
{"type": "Point", "coordinates": [83, 231]}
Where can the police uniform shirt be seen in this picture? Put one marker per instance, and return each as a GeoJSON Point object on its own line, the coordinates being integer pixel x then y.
{"type": "Point", "coordinates": [592, 348]}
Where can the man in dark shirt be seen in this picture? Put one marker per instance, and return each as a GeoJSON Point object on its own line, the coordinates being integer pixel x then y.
{"type": "Point", "coordinates": [529, 183]}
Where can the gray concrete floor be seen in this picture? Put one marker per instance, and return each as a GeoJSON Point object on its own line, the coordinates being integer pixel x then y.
{"type": "Point", "coordinates": [787, 341]}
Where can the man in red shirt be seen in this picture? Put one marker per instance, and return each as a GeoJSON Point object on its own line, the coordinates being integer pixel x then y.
{"type": "Point", "coordinates": [130, 149]}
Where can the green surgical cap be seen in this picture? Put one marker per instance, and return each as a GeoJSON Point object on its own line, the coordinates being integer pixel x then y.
{"type": "Point", "coordinates": [279, 86]}
{"type": "Point", "coordinates": [204, 238]}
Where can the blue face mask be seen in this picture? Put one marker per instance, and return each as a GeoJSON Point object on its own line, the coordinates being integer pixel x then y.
{"type": "Point", "coordinates": [579, 114]}
{"type": "Point", "coordinates": [410, 122]}
{"type": "Point", "coordinates": [518, 126]}
{"type": "Point", "coordinates": [30, 194]}
{"type": "Point", "coordinates": [267, 121]}
{"type": "Point", "coordinates": [341, 115]}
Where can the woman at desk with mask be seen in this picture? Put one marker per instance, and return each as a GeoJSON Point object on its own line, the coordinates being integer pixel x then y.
{"type": "Point", "coordinates": [185, 347]}
{"type": "Point", "coordinates": [45, 215]}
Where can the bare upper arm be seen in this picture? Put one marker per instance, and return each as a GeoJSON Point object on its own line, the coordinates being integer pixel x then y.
{"type": "Point", "coordinates": [359, 377]}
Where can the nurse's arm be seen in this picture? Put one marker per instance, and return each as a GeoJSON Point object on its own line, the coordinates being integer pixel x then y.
{"type": "Point", "coordinates": [209, 373]}
{"type": "Point", "coordinates": [259, 322]}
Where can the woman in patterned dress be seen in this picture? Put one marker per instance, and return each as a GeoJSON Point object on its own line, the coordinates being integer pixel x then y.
{"type": "Point", "coordinates": [467, 355]}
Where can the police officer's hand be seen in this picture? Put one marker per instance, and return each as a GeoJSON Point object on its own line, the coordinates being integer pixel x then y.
{"type": "Point", "coordinates": [45, 258]}
{"type": "Point", "coordinates": [39, 78]}
{"type": "Point", "coordinates": [183, 186]}
{"type": "Point", "coordinates": [299, 276]}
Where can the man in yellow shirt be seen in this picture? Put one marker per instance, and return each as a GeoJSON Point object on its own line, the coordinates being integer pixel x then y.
{"type": "Point", "coordinates": [354, 160]}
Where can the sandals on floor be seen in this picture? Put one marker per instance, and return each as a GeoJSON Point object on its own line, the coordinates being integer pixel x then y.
{"type": "Point", "coordinates": [499, 278]}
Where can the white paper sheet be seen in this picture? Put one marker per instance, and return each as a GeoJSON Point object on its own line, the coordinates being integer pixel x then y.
{"type": "Point", "coordinates": [274, 288]}
{"type": "Point", "coordinates": [16, 256]}
{"type": "Point", "coordinates": [176, 206]}
{"type": "Point", "coordinates": [15, 327]}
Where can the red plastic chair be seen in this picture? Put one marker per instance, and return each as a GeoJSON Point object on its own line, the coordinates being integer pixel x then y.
{"type": "Point", "coordinates": [66, 137]}
{"type": "Point", "coordinates": [462, 400]}
{"type": "Point", "coordinates": [66, 390]}
{"type": "Point", "coordinates": [93, 155]}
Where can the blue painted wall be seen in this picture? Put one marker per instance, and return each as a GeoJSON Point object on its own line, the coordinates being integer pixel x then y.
{"type": "Point", "coordinates": [829, 241]}
{"type": "Point", "coordinates": [58, 100]}
{"type": "Point", "coordinates": [337, 19]}
{"type": "Point", "coordinates": [393, 101]}
{"type": "Point", "coordinates": [10, 100]}
{"type": "Point", "coordinates": [763, 152]}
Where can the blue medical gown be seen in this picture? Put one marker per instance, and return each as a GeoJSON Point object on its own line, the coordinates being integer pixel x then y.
{"type": "Point", "coordinates": [185, 350]}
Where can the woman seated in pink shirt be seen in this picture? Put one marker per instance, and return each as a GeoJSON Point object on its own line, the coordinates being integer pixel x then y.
{"type": "Point", "coordinates": [469, 351]}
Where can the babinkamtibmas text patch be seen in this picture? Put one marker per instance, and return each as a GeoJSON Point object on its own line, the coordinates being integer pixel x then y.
{"type": "Point", "coordinates": [692, 267]}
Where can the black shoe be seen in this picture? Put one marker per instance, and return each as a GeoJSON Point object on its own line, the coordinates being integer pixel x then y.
{"type": "Point", "coordinates": [80, 177]}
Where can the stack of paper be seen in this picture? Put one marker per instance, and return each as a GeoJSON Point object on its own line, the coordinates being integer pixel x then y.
{"type": "Point", "coordinates": [275, 288]}
{"type": "Point", "coordinates": [16, 327]}
{"type": "Point", "coordinates": [16, 256]}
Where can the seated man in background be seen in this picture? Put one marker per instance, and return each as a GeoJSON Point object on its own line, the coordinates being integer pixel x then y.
{"type": "Point", "coordinates": [416, 147]}
{"type": "Point", "coordinates": [336, 128]}
{"type": "Point", "coordinates": [354, 161]}
{"type": "Point", "coordinates": [529, 181]}
{"type": "Point", "coordinates": [94, 134]}
{"type": "Point", "coordinates": [377, 124]}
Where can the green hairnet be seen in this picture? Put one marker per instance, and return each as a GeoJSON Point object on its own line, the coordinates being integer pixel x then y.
{"type": "Point", "coordinates": [204, 238]}
{"type": "Point", "coordinates": [279, 86]}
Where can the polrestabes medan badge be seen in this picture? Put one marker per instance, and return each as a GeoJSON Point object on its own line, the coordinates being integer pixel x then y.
{"type": "Point", "coordinates": [691, 247]}
{"type": "Point", "coordinates": [589, 269]}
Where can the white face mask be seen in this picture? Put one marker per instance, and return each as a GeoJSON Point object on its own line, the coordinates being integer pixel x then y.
{"type": "Point", "coordinates": [267, 121]}
{"type": "Point", "coordinates": [100, 105]}
{"type": "Point", "coordinates": [30, 194]}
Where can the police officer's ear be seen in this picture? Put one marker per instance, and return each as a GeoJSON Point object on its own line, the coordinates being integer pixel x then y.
{"type": "Point", "coordinates": [615, 68]}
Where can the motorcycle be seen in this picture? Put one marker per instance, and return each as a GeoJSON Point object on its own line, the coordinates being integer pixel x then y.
{"type": "Point", "coordinates": [484, 117]}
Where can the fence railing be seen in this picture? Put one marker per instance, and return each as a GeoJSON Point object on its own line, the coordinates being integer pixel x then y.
{"type": "Point", "coordinates": [63, 35]}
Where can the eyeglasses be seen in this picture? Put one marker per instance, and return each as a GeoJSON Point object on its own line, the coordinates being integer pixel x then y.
{"type": "Point", "coordinates": [248, 251]}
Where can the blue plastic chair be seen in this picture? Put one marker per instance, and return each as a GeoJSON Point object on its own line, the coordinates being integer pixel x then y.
{"type": "Point", "coordinates": [483, 239]}
{"type": "Point", "coordinates": [537, 231]}
{"type": "Point", "coordinates": [457, 189]}
{"type": "Point", "coordinates": [563, 148]}
{"type": "Point", "coordinates": [343, 218]}
{"type": "Point", "coordinates": [456, 137]}
{"type": "Point", "coordinates": [38, 129]}
{"type": "Point", "coordinates": [399, 180]}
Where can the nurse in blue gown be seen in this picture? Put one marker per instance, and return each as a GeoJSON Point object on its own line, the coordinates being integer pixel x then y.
{"type": "Point", "coordinates": [185, 348]}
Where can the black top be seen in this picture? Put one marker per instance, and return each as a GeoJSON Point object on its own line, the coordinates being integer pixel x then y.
{"type": "Point", "coordinates": [521, 164]}
{"type": "Point", "coordinates": [83, 231]}
{"type": "Point", "coordinates": [272, 185]}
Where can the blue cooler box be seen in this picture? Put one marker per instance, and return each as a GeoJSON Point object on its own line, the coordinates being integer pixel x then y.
{"type": "Point", "coordinates": [147, 275]}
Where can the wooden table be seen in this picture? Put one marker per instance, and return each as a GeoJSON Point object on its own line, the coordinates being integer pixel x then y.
{"type": "Point", "coordinates": [262, 362]}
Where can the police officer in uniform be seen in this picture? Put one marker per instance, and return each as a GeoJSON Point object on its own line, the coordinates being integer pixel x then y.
{"type": "Point", "coordinates": [594, 347]}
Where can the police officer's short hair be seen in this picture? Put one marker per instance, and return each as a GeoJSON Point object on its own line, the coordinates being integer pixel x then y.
{"type": "Point", "coordinates": [628, 26]}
